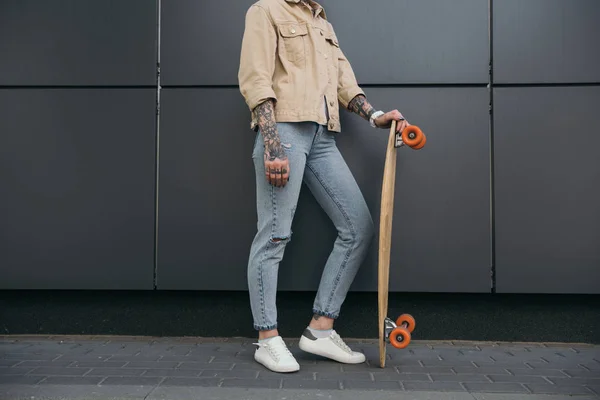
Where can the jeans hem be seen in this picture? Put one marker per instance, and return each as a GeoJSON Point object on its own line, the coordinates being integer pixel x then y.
{"type": "Point", "coordinates": [265, 327]}
{"type": "Point", "coordinates": [325, 314]}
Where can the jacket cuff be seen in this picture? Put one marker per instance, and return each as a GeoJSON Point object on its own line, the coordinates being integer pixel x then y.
{"type": "Point", "coordinates": [259, 96]}
{"type": "Point", "coordinates": [347, 94]}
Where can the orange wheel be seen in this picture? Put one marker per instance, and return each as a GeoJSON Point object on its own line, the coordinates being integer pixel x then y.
{"type": "Point", "coordinates": [412, 135]}
{"type": "Point", "coordinates": [400, 338]}
{"type": "Point", "coordinates": [420, 145]}
{"type": "Point", "coordinates": [408, 319]}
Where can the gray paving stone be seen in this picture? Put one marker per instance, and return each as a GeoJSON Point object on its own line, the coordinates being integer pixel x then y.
{"type": "Point", "coordinates": [12, 346]}
{"type": "Point", "coordinates": [20, 379]}
{"type": "Point", "coordinates": [359, 376]}
{"type": "Point", "coordinates": [594, 388]}
{"type": "Point", "coordinates": [252, 383]}
{"type": "Point", "coordinates": [131, 380]}
{"type": "Point", "coordinates": [503, 387]}
{"type": "Point", "coordinates": [71, 380]}
{"type": "Point", "coordinates": [115, 372]}
{"type": "Point", "coordinates": [57, 363]}
{"type": "Point", "coordinates": [402, 377]}
{"type": "Point", "coordinates": [575, 381]}
{"type": "Point", "coordinates": [369, 385]}
{"type": "Point", "coordinates": [97, 364]}
{"type": "Point", "coordinates": [29, 356]}
{"type": "Point", "coordinates": [213, 365]}
{"type": "Point", "coordinates": [152, 364]}
{"type": "Point", "coordinates": [481, 370]}
{"type": "Point", "coordinates": [322, 367]}
{"type": "Point", "coordinates": [591, 366]}
{"type": "Point", "coordinates": [9, 363]}
{"type": "Point", "coordinates": [172, 372]}
{"type": "Point", "coordinates": [299, 375]}
{"type": "Point", "coordinates": [310, 384]}
{"type": "Point", "coordinates": [554, 389]}
{"type": "Point", "coordinates": [434, 386]}
{"type": "Point", "coordinates": [215, 373]}
{"type": "Point", "coordinates": [15, 370]}
{"type": "Point", "coordinates": [459, 378]}
{"type": "Point", "coordinates": [536, 372]}
{"type": "Point", "coordinates": [188, 381]}
{"type": "Point", "coordinates": [448, 363]}
{"type": "Point", "coordinates": [517, 378]}
{"type": "Point", "coordinates": [85, 357]}
{"type": "Point", "coordinates": [59, 371]}
{"type": "Point", "coordinates": [130, 357]}
{"type": "Point", "coordinates": [581, 373]}
{"type": "Point", "coordinates": [190, 358]}
{"type": "Point", "coordinates": [425, 370]}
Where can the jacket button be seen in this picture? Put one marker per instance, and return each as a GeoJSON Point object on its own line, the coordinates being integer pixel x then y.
{"type": "Point", "coordinates": [293, 30]}
{"type": "Point", "coordinates": [331, 103]}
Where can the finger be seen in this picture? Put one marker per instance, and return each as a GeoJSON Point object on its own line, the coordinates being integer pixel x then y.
{"type": "Point", "coordinates": [267, 174]}
{"type": "Point", "coordinates": [271, 173]}
{"type": "Point", "coordinates": [278, 176]}
{"type": "Point", "coordinates": [400, 126]}
{"type": "Point", "coordinates": [274, 176]}
{"type": "Point", "coordinates": [284, 174]}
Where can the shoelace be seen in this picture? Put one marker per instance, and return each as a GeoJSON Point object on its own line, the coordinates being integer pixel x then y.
{"type": "Point", "coordinates": [275, 348]}
{"type": "Point", "coordinates": [340, 342]}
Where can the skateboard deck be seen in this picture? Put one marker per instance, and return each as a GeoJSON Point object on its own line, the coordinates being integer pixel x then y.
{"type": "Point", "coordinates": [398, 332]}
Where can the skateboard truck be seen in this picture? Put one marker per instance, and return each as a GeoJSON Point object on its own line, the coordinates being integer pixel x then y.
{"type": "Point", "coordinates": [398, 333]}
{"type": "Point", "coordinates": [399, 142]}
{"type": "Point", "coordinates": [411, 136]}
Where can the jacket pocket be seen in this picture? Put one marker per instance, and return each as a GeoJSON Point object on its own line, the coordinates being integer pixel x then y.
{"type": "Point", "coordinates": [331, 39]}
{"type": "Point", "coordinates": [293, 38]}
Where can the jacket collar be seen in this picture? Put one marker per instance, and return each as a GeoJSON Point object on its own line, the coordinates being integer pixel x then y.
{"type": "Point", "coordinates": [320, 9]}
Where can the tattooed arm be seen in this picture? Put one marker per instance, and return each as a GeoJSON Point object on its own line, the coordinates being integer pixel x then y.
{"type": "Point", "coordinates": [360, 106]}
{"type": "Point", "coordinates": [277, 169]}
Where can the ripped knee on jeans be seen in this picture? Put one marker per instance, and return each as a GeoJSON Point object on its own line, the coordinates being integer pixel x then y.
{"type": "Point", "coordinates": [280, 239]}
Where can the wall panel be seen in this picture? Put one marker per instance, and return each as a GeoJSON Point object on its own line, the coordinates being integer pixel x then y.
{"type": "Point", "coordinates": [77, 193]}
{"type": "Point", "coordinates": [78, 42]}
{"type": "Point", "coordinates": [547, 172]}
{"type": "Point", "coordinates": [546, 41]}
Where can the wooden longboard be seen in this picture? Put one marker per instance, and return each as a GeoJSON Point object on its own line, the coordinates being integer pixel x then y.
{"type": "Point", "coordinates": [398, 332]}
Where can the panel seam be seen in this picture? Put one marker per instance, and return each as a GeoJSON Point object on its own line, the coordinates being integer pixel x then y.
{"type": "Point", "coordinates": [491, 149]}
{"type": "Point", "coordinates": [157, 146]}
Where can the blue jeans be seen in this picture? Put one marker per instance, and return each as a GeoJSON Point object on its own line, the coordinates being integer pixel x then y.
{"type": "Point", "coordinates": [315, 159]}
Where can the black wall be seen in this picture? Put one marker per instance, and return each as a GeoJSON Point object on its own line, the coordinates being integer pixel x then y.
{"type": "Point", "coordinates": [116, 176]}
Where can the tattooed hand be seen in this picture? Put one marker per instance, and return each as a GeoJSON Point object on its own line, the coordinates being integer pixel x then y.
{"type": "Point", "coordinates": [359, 105]}
{"type": "Point", "coordinates": [277, 167]}
{"type": "Point", "coordinates": [385, 120]}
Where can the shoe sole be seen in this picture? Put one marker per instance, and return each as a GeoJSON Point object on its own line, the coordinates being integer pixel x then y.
{"type": "Point", "coordinates": [306, 345]}
{"type": "Point", "coordinates": [283, 371]}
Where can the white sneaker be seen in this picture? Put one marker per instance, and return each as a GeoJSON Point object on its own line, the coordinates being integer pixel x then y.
{"type": "Point", "coordinates": [275, 355]}
{"type": "Point", "coordinates": [332, 347]}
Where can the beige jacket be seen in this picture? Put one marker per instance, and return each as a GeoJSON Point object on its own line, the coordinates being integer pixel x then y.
{"type": "Point", "coordinates": [293, 56]}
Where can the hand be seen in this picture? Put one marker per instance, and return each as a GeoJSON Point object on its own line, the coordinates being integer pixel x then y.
{"type": "Point", "coordinates": [277, 166]}
{"type": "Point", "coordinates": [385, 120]}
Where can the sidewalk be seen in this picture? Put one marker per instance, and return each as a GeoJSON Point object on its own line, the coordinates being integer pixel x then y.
{"type": "Point", "coordinates": [199, 368]}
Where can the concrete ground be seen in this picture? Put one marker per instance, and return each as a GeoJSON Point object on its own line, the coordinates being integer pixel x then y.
{"type": "Point", "coordinates": [200, 368]}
